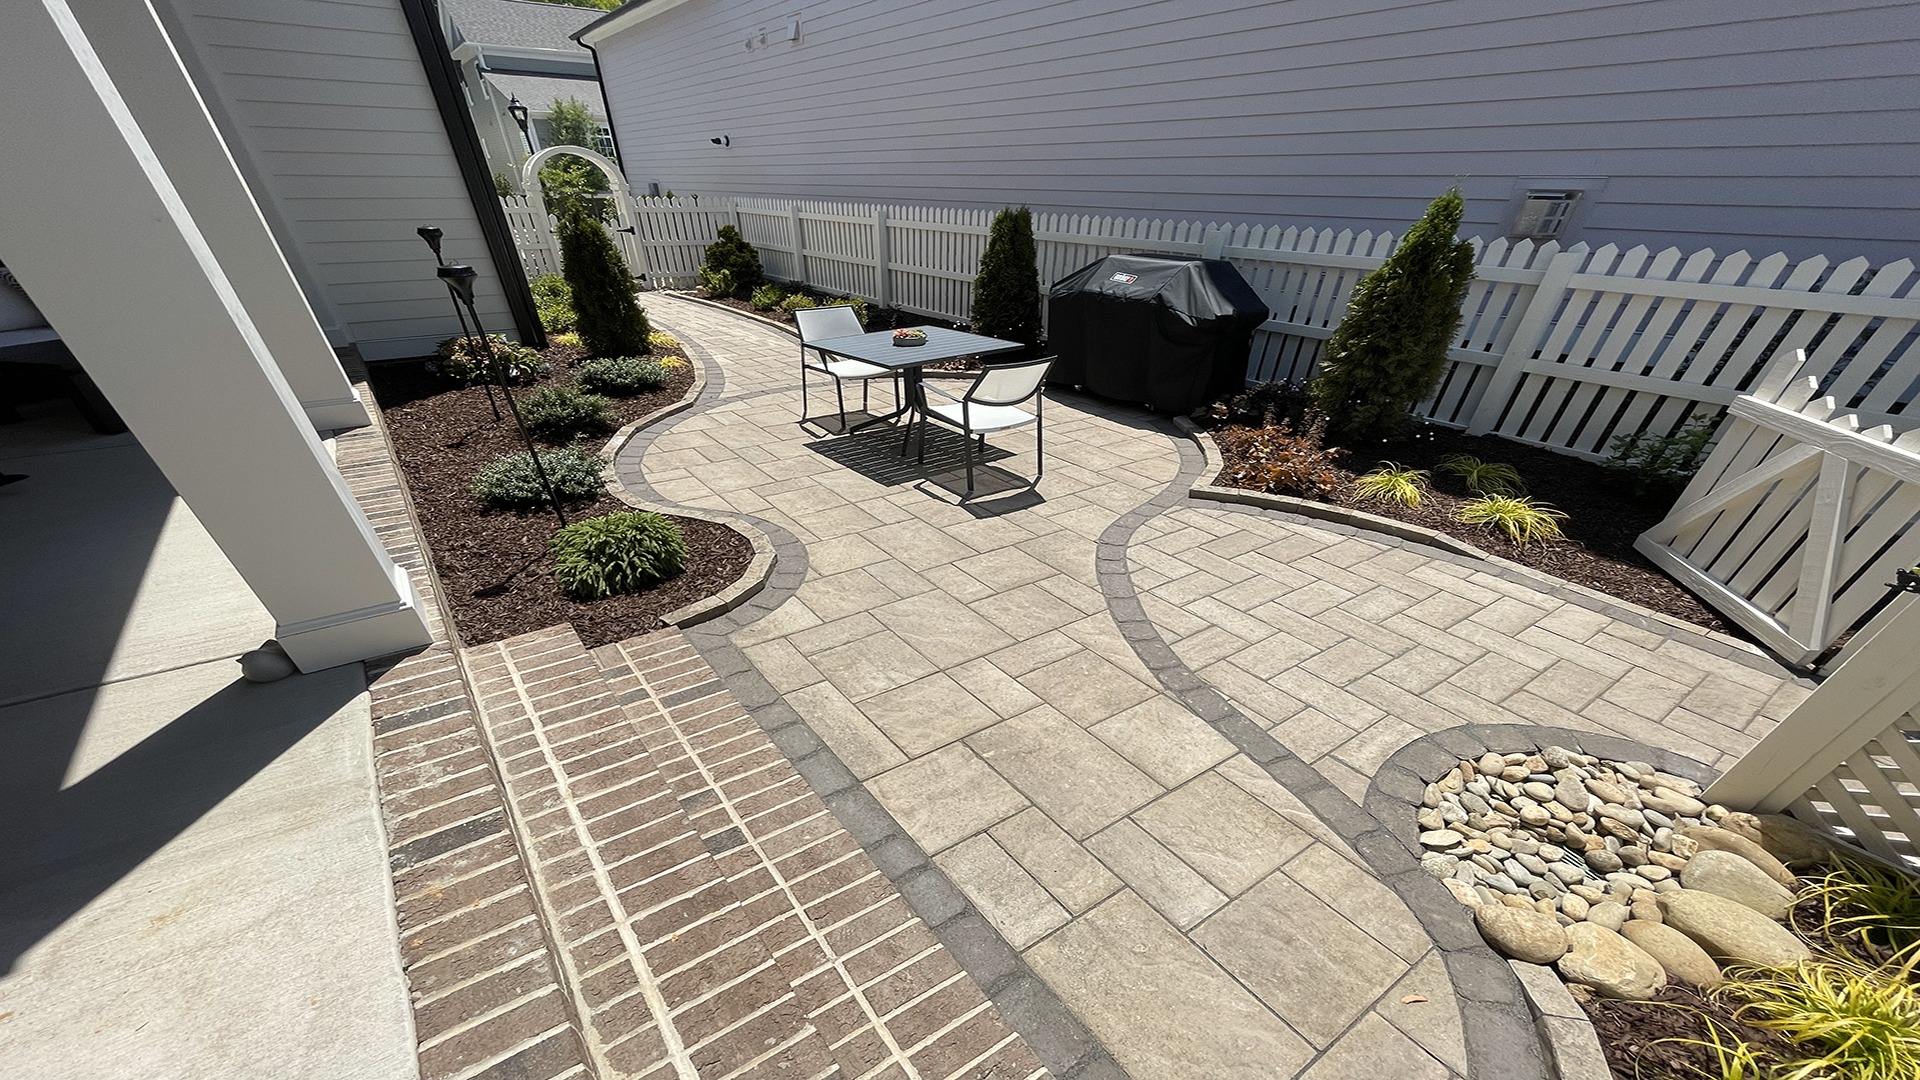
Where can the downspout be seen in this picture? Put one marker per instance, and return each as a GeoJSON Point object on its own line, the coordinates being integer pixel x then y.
{"type": "Point", "coordinates": [619, 156]}
{"type": "Point", "coordinates": [443, 78]}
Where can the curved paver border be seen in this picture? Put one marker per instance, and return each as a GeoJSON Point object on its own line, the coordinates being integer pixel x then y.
{"type": "Point", "coordinates": [1028, 1005]}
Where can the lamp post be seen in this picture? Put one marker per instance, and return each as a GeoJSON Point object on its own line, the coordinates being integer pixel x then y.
{"type": "Point", "coordinates": [432, 234]}
{"type": "Point", "coordinates": [518, 110]}
{"type": "Point", "coordinates": [459, 278]}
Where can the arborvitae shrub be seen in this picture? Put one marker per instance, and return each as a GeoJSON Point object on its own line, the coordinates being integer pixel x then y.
{"type": "Point", "coordinates": [611, 322]}
{"type": "Point", "coordinates": [1006, 294]}
{"type": "Point", "coordinates": [618, 553]}
{"type": "Point", "coordinates": [560, 413]}
{"type": "Point", "coordinates": [510, 482]}
{"type": "Point", "coordinates": [1389, 351]}
{"type": "Point", "coordinates": [732, 255]}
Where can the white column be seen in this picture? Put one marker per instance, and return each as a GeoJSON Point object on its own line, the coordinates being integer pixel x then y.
{"type": "Point", "coordinates": [100, 236]}
{"type": "Point", "coordinates": [144, 65]}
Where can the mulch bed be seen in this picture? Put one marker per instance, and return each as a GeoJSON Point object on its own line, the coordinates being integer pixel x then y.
{"type": "Point", "coordinates": [1605, 518]}
{"type": "Point", "coordinates": [494, 564]}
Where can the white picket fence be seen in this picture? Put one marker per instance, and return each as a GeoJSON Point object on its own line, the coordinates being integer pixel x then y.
{"type": "Point", "coordinates": [1798, 518]}
{"type": "Point", "coordinates": [1566, 349]}
{"type": "Point", "coordinates": [1848, 759]}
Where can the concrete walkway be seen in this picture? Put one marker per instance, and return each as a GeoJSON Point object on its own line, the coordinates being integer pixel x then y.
{"type": "Point", "coordinates": [1081, 704]}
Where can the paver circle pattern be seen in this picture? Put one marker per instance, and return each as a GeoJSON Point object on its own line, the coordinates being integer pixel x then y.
{"type": "Point", "coordinates": [1115, 746]}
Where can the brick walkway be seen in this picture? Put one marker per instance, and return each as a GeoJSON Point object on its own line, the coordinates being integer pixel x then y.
{"type": "Point", "coordinates": [1074, 705]}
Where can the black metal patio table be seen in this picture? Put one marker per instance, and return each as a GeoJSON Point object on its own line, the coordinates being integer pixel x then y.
{"type": "Point", "coordinates": [878, 349]}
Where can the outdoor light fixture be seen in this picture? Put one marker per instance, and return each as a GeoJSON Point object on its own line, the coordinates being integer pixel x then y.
{"type": "Point", "coordinates": [432, 234]}
{"type": "Point", "coordinates": [518, 110]}
{"type": "Point", "coordinates": [723, 140]}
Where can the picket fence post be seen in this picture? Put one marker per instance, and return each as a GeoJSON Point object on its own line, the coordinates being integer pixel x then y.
{"type": "Point", "coordinates": [1527, 336]}
{"type": "Point", "coordinates": [799, 244]}
{"type": "Point", "coordinates": [882, 260]}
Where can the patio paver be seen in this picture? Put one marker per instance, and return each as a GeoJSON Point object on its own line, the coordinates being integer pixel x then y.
{"type": "Point", "coordinates": [1055, 697]}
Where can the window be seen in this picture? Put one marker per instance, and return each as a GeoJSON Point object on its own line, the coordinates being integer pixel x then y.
{"type": "Point", "coordinates": [603, 142]}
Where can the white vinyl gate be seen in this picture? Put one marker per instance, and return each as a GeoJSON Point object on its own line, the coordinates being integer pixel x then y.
{"type": "Point", "coordinates": [1797, 521]}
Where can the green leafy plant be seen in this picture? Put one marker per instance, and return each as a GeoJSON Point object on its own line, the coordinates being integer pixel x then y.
{"type": "Point", "coordinates": [1863, 1019]}
{"type": "Point", "coordinates": [462, 360]}
{"type": "Point", "coordinates": [1660, 465]}
{"type": "Point", "coordinates": [553, 302]}
{"type": "Point", "coordinates": [1281, 459]}
{"type": "Point", "coordinates": [716, 283]}
{"type": "Point", "coordinates": [573, 184]}
{"type": "Point", "coordinates": [1876, 902]}
{"type": "Point", "coordinates": [1389, 351]}
{"type": "Point", "coordinates": [660, 340]}
{"type": "Point", "coordinates": [767, 297]}
{"type": "Point", "coordinates": [618, 553]}
{"type": "Point", "coordinates": [1484, 477]}
{"type": "Point", "coordinates": [1393, 483]}
{"type": "Point", "coordinates": [621, 375]}
{"type": "Point", "coordinates": [1006, 292]}
{"type": "Point", "coordinates": [1523, 521]}
{"type": "Point", "coordinates": [858, 305]}
{"type": "Point", "coordinates": [560, 413]}
{"type": "Point", "coordinates": [504, 186]}
{"type": "Point", "coordinates": [610, 319]}
{"type": "Point", "coordinates": [510, 481]}
{"type": "Point", "coordinates": [798, 301]}
{"type": "Point", "coordinates": [730, 253]}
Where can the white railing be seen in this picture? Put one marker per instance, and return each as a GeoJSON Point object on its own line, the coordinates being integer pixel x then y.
{"type": "Point", "coordinates": [1565, 349]}
{"type": "Point", "coordinates": [1848, 759]}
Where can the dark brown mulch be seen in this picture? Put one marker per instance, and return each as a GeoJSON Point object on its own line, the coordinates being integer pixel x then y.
{"type": "Point", "coordinates": [1605, 517]}
{"type": "Point", "coordinates": [494, 564]}
{"type": "Point", "coordinates": [1670, 1038]}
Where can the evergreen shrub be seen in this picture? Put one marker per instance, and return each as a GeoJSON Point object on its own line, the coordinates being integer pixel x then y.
{"type": "Point", "coordinates": [617, 553]}
{"type": "Point", "coordinates": [610, 320]}
{"type": "Point", "coordinates": [1006, 294]}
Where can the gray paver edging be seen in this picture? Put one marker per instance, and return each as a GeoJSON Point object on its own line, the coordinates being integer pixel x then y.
{"type": "Point", "coordinates": [1439, 545]}
{"type": "Point", "coordinates": [1028, 1005]}
{"type": "Point", "coordinates": [759, 567]}
{"type": "Point", "coordinates": [1502, 1042]}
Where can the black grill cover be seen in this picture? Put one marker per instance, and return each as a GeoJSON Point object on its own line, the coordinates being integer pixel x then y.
{"type": "Point", "coordinates": [1165, 331]}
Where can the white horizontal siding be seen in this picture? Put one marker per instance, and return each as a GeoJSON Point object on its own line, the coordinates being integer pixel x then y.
{"type": "Point", "coordinates": [327, 106]}
{"type": "Point", "coordinates": [1772, 124]}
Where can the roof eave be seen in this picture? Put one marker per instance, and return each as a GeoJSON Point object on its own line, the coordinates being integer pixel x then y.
{"type": "Point", "coordinates": [622, 18]}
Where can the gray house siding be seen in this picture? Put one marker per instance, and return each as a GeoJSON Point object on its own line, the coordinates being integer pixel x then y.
{"type": "Point", "coordinates": [327, 110]}
{"type": "Point", "coordinates": [1766, 124]}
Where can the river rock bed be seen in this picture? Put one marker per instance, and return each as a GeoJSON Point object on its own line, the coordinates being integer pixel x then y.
{"type": "Point", "coordinates": [1570, 860]}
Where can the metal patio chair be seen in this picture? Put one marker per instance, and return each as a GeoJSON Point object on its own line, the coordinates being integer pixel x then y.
{"type": "Point", "coordinates": [819, 324]}
{"type": "Point", "coordinates": [992, 403]}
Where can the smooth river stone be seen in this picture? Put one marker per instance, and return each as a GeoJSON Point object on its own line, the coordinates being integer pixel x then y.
{"type": "Point", "coordinates": [1440, 865]}
{"type": "Point", "coordinates": [1710, 838]}
{"type": "Point", "coordinates": [1669, 801]}
{"type": "Point", "coordinates": [1607, 792]}
{"type": "Point", "coordinates": [1556, 757]}
{"type": "Point", "coordinates": [1537, 791]}
{"type": "Point", "coordinates": [1609, 914]}
{"type": "Point", "coordinates": [1730, 931]}
{"type": "Point", "coordinates": [1574, 907]}
{"type": "Point", "coordinates": [1603, 861]}
{"type": "Point", "coordinates": [1723, 873]}
{"type": "Point", "coordinates": [1441, 838]}
{"type": "Point", "coordinates": [1616, 967]}
{"type": "Point", "coordinates": [1677, 954]}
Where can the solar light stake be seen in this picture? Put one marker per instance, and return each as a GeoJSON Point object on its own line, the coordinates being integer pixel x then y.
{"type": "Point", "coordinates": [459, 279]}
{"type": "Point", "coordinates": [432, 234]}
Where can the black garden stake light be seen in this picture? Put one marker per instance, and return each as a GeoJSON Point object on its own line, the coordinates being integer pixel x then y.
{"type": "Point", "coordinates": [459, 278]}
{"type": "Point", "coordinates": [432, 234]}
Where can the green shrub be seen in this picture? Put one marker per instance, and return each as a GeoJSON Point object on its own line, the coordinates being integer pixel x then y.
{"type": "Point", "coordinates": [1006, 294]}
{"type": "Point", "coordinates": [1389, 351]}
{"type": "Point", "coordinates": [553, 302]}
{"type": "Point", "coordinates": [858, 305]}
{"type": "Point", "coordinates": [621, 375]}
{"type": "Point", "coordinates": [1393, 483]}
{"type": "Point", "coordinates": [618, 553]}
{"type": "Point", "coordinates": [510, 482]}
{"type": "Point", "coordinates": [504, 186]}
{"type": "Point", "coordinates": [716, 283]}
{"type": "Point", "coordinates": [1660, 465]}
{"type": "Point", "coordinates": [1484, 477]}
{"type": "Point", "coordinates": [560, 413]}
{"type": "Point", "coordinates": [767, 297]}
{"type": "Point", "coordinates": [610, 320]}
{"type": "Point", "coordinates": [1522, 521]}
{"type": "Point", "coordinates": [731, 254]}
{"type": "Point", "coordinates": [462, 360]}
{"type": "Point", "coordinates": [797, 301]}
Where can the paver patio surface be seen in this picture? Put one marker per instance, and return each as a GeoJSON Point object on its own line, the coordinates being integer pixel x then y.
{"type": "Point", "coordinates": [965, 663]}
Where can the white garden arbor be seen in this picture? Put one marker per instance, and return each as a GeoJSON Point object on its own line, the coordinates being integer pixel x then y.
{"type": "Point", "coordinates": [624, 234]}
